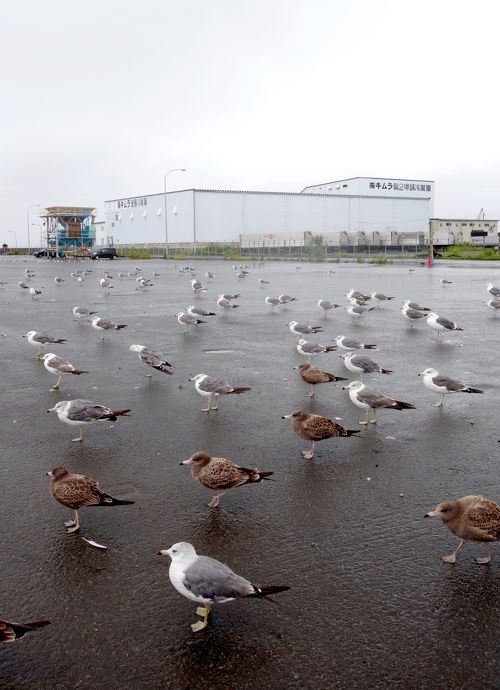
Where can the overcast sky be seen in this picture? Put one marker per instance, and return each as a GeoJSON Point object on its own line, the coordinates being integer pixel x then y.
{"type": "Point", "coordinates": [101, 97]}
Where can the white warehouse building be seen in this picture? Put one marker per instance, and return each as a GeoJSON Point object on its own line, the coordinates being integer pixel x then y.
{"type": "Point", "coordinates": [357, 205]}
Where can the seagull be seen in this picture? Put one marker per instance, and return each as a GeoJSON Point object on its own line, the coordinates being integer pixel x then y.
{"type": "Point", "coordinates": [313, 377]}
{"type": "Point", "coordinates": [241, 275]}
{"type": "Point", "coordinates": [230, 297]}
{"type": "Point", "coordinates": [314, 428]}
{"type": "Point", "coordinates": [445, 282]}
{"type": "Point", "coordinates": [471, 518]}
{"type": "Point", "coordinates": [379, 297]}
{"type": "Point", "coordinates": [10, 632]}
{"type": "Point", "coordinates": [356, 310]}
{"type": "Point", "coordinates": [443, 385]}
{"type": "Point", "coordinates": [368, 399]}
{"type": "Point", "coordinates": [284, 299]}
{"type": "Point", "coordinates": [155, 274]}
{"type": "Point", "coordinates": [309, 349]}
{"type": "Point", "coordinates": [210, 387]}
{"type": "Point", "coordinates": [34, 292]}
{"type": "Point", "coordinates": [302, 329]}
{"type": "Point", "coordinates": [272, 302]}
{"type": "Point", "coordinates": [362, 364]}
{"type": "Point", "coordinates": [80, 312]}
{"type": "Point", "coordinates": [495, 291]}
{"type": "Point", "coordinates": [351, 344]}
{"type": "Point", "coordinates": [77, 491]}
{"type": "Point", "coordinates": [58, 280]}
{"type": "Point", "coordinates": [104, 325]}
{"type": "Point", "coordinates": [40, 339]}
{"type": "Point", "coordinates": [197, 286]}
{"type": "Point", "coordinates": [152, 359]}
{"type": "Point", "coordinates": [494, 304]}
{"type": "Point", "coordinates": [263, 282]}
{"type": "Point", "coordinates": [80, 412]}
{"type": "Point", "coordinates": [208, 582]}
{"type": "Point", "coordinates": [413, 315]}
{"type": "Point", "coordinates": [440, 324]}
{"type": "Point", "coordinates": [105, 284]}
{"type": "Point", "coordinates": [221, 474]}
{"type": "Point", "coordinates": [197, 312]}
{"type": "Point", "coordinates": [415, 305]}
{"type": "Point", "coordinates": [22, 285]}
{"type": "Point", "coordinates": [223, 302]}
{"type": "Point", "coordinates": [60, 367]}
{"type": "Point", "coordinates": [187, 320]}
{"type": "Point", "coordinates": [357, 295]}
{"type": "Point", "coordinates": [143, 283]}
{"type": "Point", "coordinates": [325, 306]}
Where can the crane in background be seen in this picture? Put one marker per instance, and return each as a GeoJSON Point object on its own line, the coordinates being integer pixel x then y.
{"type": "Point", "coordinates": [481, 214]}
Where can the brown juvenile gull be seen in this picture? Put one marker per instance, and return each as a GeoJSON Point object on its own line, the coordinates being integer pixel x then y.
{"type": "Point", "coordinates": [315, 428]}
{"type": "Point", "coordinates": [368, 399]}
{"type": "Point", "coordinates": [220, 474]}
{"type": "Point", "coordinates": [210, 387]}
{"type": "Point", "coordinates": [152, 359]}
{"type": "Point", "coordinates": [80, 412]}
{"type": "Point", "coordinates": [104, 325]}
{"type": "Point", "coordinates": [314, 376]}
{"type": "Point", "coordinates": [77, 491]}
{"type": "Point", "coordinates": [208, 582]}
{"type": "Point", "coordinates": [471, 518]}
{"type": "Point", "coordinates": [10, 632]}
{"type": "Point", "coordinates": [40, 340]}
{"type": "Point", "coordinates": [60, 367]}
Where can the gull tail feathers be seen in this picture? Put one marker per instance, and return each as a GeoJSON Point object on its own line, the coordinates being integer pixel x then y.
{"type": "Point", "coordinates": [472, 390]}
{"type": "Point", "coordinates": [386, 371]}
{"type": "Point", "coordinates": [398, 405]}
{"type": "Point", "coordinates": [116, 413]}
{"type": "Point", "coordinates": [241, 389]}
{"type": "Point", "coordinates": [120, 325]}
{"type": "Point", "coordinates": [263, 591]}
{"type": "Point", "coordinates": [107, 500]}
{"type": "Point", "coordinates": [77, 372]}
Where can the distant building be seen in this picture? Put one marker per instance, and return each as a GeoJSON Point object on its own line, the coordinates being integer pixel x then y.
{"type": "Point", "coordinates": [358, 206]}
{"type": "Point", "coordinates": [449, 231]}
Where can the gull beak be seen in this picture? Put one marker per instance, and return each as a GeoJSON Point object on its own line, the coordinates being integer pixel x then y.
{"type": "Point", "coordinates": [49, 474]}
{"type": "Point", "coordinates": [186, 462]}
{"type": "Point", "coordinates": [434, 513]}
{"type": "Point", "coordinates": [51, 409]}
{"type": "Point", "coordinates": [287, 416]}
{"type": "Point", "coordinates": [190, 380]}
{"type": "Point", "coordinates": [295, 367]}
{"type": "Point", "coordinates": [345, 388]}
{"type": "Point", "coordinates": [163, 552]}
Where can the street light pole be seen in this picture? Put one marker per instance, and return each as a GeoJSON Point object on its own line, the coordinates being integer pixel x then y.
{"type": "Point", "coordinates": [165, 196]}
{"type": "Point", "coordinates": [15, 236]}
{"type": "Point", "coordinates": [28, 219]}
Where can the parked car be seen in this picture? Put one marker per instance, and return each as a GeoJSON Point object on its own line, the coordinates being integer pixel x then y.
{"type": "Point", "coordinates": [104, 253]}
{"type": "Point", "coordinates": [51, 253]}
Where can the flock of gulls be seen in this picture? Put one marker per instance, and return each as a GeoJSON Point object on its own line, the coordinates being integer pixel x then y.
{"type": "Point", "coordinates": [202, 579]}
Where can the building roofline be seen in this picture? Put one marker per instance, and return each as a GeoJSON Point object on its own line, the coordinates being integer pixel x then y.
{"type": "Point", "coordinates": [364, 177]}
{"type": "Point", "coordinates": [253, 191]}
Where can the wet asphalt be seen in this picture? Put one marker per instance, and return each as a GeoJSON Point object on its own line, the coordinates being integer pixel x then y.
{"type": "Point", "coordinates": [371, 604]}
